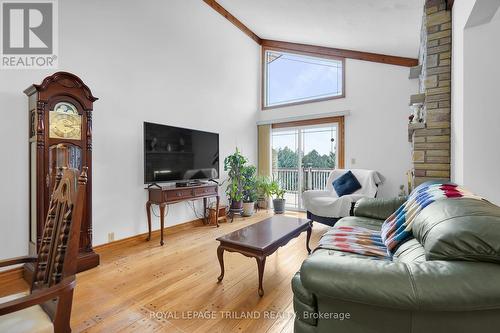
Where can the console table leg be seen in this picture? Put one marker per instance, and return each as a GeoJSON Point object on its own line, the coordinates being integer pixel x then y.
{"type": "Point", "coordinates": [162, 222]}
{"type": "Point", "coordinates": [261, 262]}
{"type": "Point", "coordinates": [308, 237]}
{"type": "Point", "coordinates": [217, 198]}
{"type": "Point", "coordinates": [148, 211]}
{"type": "Point", "coordinates": [205, 219]}
{"type": "Point", "coordinates": [220, 255]}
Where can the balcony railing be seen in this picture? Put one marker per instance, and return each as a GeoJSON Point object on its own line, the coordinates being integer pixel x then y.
{"type": "Point", "coordinates": [313, 179]}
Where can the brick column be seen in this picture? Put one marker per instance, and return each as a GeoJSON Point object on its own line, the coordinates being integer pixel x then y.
{"type": "Point", "coordinates": [431, 145]}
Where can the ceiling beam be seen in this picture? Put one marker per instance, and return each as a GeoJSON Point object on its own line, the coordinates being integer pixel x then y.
{"type": "Point", "coordinates": [221, 10]}
{"type": "Point", "coordinates": [332, 52]}
{"type": "Point", "coordinates": [311, 49]}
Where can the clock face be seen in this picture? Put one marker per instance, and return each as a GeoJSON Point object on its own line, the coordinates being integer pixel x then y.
{"type": "Point", "coordinates": [65, 122]}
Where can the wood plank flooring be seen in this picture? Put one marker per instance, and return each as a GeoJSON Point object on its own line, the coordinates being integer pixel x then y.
{"type": "Point", "coordinates": [178, 283]}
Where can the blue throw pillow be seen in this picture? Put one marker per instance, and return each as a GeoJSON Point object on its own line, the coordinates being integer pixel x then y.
{"type": "Point", "coordinates": [346, 184]}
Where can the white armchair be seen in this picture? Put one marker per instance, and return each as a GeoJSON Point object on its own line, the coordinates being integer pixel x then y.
{"type": "Point", "coordinates": [325, 206]}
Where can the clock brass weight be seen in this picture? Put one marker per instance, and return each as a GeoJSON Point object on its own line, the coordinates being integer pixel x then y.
{"type": "Point", "coordinates": [60, 135]}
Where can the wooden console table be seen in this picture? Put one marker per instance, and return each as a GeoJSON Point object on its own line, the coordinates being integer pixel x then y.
{"type": "Point", "coordinates": [166, 195]}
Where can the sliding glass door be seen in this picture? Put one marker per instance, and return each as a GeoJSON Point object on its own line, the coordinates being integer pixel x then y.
{"type": "Point", "coordinates": [303, 157]}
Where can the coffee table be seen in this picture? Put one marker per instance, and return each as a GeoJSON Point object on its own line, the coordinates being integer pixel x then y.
{"type": "Point", "coordinates": [262, 239]}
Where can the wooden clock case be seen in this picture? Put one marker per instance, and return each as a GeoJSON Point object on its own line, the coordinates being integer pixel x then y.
{"type": "Point", "coordinates": [47, 152]}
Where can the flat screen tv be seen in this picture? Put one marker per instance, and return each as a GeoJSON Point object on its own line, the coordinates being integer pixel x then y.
{"type": "Point", "coordinates": [174, 154]}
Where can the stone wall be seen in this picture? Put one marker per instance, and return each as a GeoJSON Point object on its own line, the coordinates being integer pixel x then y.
{"type": "Point", "coordinates": [431, 144]}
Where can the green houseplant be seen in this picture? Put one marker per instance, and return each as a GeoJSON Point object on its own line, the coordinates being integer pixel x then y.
{"type": "Point", "coordinates": [263, 185]}
{"type": "Point", "coordinates": [249, 190]}
{"type": "Point", "coordinates": [234, 164]}
{"type": "Point", "coordinates": [279, 201]}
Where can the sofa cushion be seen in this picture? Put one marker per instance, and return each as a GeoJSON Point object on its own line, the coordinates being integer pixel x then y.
{"type": "Point", "coordinates": [346, 184]}
{"type": "Point", "coordinates": [358, 221]}
{"type": "Point", "coordinates": [459, 229]}
{"type": "Point", "coordinates": [410, 251]}
{"type": "Point", "coordinates": [377, 208]}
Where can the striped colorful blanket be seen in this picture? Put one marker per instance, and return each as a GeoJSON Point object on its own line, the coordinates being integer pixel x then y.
{"type": "Point", "coordinates": [397, 229]}
{"type": "Point", "coordinates": [354, 240]}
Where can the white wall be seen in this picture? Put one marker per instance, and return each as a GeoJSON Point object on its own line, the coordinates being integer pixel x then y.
{"type": "Point", "coordinates": [481, 113]}
{"type": "Point", "coordinates": [175, 62]}
{"type": "Point", "coordinates": [475, 102]}
{"type": "Point", "coordinates": [461, 12]}
{"type": "Point", "coordinates": [376, 132]}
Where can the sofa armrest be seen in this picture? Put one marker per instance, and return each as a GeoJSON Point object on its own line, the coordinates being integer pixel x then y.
{"type": "Point", "coordinates": [377, 208]}
{"type": "Point", "coordinates": [359, 280]}
{"type": "Point", "coordinates": [425, 286]}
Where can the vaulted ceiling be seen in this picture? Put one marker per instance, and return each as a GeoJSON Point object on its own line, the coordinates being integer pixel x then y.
{"type": "Point", "coordinates": [380, 26]}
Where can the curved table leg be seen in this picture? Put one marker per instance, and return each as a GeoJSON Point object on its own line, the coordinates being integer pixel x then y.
{"type": "Point", "coordinates": [220, 255]}
{"type": "Point", "coordinates": [162, 222]}
{"type": "Point", "coordinates": [148, 211]}
{"type": "Point", "coordinates": [217, 211]}
{"type": "Point", "coordinates": [261, 262]}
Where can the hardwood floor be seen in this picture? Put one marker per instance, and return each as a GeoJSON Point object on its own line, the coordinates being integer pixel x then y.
{"type": "Point", "coordinates": [178, 283]}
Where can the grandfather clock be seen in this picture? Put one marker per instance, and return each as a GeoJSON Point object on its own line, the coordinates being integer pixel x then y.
{"type": "Point", "coordinates": [60, 134]}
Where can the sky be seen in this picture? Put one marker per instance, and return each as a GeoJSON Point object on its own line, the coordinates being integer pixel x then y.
{"type": "Point", "coordinates": [294, 77]}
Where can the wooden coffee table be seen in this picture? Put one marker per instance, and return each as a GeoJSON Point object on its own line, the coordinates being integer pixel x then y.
{"type": "Point", "coordinates": [262, 239]}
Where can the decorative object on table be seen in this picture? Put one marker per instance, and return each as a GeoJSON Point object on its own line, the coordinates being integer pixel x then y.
{"type": "Point", "coordinates": [327, 207]}
{"type": "Point", "coordinates": [249, 190]}
{"type": "Point", "coordinates": [263, 192]}
{"type": "Point", "coordinates": [279, 193]}
{"type": "Point", "coordinates": [60, 135]}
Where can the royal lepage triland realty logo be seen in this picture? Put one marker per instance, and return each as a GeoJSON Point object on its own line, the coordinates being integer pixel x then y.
{"type": "Point", "coordinates": [29, 34]}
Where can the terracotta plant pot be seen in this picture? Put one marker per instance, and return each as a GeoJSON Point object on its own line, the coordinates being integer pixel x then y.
{"type": "Point", "coordinates": [279, 206]}
{"type": "Point", "coordinates": [248, 208]}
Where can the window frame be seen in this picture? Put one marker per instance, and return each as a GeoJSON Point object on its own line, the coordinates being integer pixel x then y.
{"type": "Point", "coordinates": [264, 49]}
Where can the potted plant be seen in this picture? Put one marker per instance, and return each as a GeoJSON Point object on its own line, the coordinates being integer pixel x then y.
{"type": "Point", "coordinates": [263, 185]}
{"type": "Point", "coordinates": [279, 201]}
{"type": "Point", "coordinates": [234, 164]}
{"type": "Point", "coordinates": [249, 190]}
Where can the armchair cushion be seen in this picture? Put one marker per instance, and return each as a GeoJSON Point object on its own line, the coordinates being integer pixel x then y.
{"type": "Point", "coordinates": [346, 184]}
{"type": "Point", "coordinates": [32, 319]}
{"type": "Point", "coordinates": [326, 203]}
{"type": "Point", "coordinates": [323, 203]}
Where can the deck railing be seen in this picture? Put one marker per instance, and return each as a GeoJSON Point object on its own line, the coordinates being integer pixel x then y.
{"type": "Point", "coordinates": [313, 178]}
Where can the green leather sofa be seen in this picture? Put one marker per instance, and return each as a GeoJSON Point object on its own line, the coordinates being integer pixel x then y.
{"type": "Point", "coordinates": [446, 279]}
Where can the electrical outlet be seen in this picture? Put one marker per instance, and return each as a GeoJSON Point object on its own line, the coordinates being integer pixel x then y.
{"type": "Point", "coordinates": [353, 160]}
{"type": "Point", "coordinates": [111, 237]}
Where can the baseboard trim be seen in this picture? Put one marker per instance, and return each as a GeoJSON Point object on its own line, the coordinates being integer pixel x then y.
{"type": "Point", "coordinates": [11, 275]}
{"type": "Point", "coordinates": [154, 233]}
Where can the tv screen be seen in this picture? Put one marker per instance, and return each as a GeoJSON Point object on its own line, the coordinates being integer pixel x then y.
{"type": "Point", "coordinates": [179, 154]}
